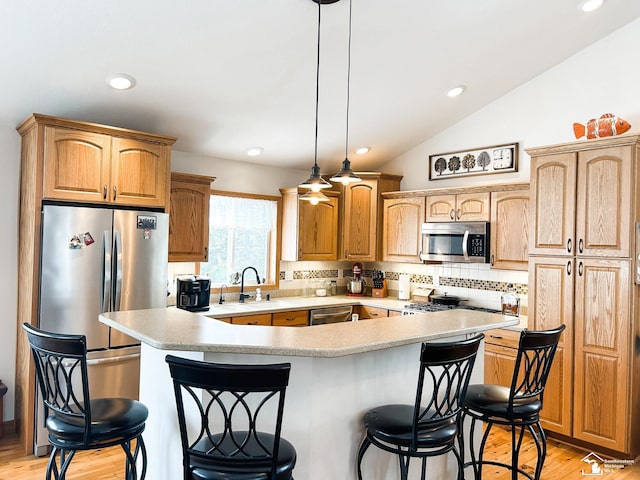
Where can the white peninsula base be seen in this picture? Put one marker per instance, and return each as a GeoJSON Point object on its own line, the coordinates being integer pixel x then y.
{"type": "Point", "coordinates": [325, 402]}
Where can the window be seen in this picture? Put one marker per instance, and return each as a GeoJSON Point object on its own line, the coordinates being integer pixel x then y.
{"type": "Point", "coordinates": [242, 233]}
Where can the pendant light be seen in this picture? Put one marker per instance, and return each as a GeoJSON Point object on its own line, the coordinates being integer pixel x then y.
{"type": "Point", "coordinates": [346, 175]}
{"type": "Point", "coordinates": [315, 182]}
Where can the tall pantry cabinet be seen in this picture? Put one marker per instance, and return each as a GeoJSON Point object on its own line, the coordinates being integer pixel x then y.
{"type": "Point", "coordinates": [582, 264]}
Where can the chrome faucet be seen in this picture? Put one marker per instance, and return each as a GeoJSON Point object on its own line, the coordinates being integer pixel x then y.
{"type": "Point", "coordinates": [242, 294]}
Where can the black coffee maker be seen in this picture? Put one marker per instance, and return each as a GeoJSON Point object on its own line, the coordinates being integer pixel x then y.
{"type": "Point", "coordinates": [193, 292]}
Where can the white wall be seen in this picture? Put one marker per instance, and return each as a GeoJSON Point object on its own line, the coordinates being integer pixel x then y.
{"type": "Point", "coordinates": [238, 176]}
{"type": "Point", "coordinates": [9, 180]}
{"type": "Point", "coordinates": [600, 79]}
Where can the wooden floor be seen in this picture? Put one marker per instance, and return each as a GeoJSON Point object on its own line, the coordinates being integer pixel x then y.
{"type": "Point", "coordinates": [562, 463]}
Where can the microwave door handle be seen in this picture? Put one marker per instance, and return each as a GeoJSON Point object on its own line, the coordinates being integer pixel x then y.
{"type": "Point", "coordinates": [465, 250]}
{"type": "Point", "coordinates": [105, 298]}
{"type": "Point", "coordinates": [117, 244]}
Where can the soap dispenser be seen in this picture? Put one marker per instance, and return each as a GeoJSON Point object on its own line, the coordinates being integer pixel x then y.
{"type": "Point", "coordinates": [258, 295]}
{"type": "Point", "coordinates": [510, 302]}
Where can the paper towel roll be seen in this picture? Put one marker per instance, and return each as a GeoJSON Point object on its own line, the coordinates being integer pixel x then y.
{"type": "Point", "coordinates": [403, 287]}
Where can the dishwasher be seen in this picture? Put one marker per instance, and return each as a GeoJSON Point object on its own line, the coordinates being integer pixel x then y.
{"type": "Point", "coordinates": [320, 316]}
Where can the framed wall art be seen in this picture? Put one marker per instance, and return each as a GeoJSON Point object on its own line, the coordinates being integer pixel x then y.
{"type": "Point", "coordinates": [479, 161]}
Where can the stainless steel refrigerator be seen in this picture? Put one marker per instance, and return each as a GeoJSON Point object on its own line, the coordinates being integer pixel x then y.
{"type": "Point", "coordinates": [98, 260]}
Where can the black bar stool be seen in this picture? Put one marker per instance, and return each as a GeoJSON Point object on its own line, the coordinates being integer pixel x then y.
{"type": "Point", "coordinates": [517, 407]}
{"type": "Point", "coordinates": [227, 445]}
{"type": "Point", "coordinates": [429, 427]}
{"type": "Point", "coordinates": [74, 420]}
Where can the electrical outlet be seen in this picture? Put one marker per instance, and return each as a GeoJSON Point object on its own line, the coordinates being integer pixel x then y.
{"type": "Point", "coordinates": [436, 280]}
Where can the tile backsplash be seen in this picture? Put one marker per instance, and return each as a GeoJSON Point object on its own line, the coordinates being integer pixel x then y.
{"type": "Point", "coordinates": [478, 283]}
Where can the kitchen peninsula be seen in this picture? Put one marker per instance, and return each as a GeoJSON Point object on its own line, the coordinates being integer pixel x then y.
{"type": "Point", "coordinates": [338, 372]}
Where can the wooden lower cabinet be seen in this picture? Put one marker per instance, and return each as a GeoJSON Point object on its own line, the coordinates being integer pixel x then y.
{"type": "Point", "coordinates": [500, 351]}
{"type": "Point", "coordinates": [395, 313]}
{"type": "Point", "coordinates": [589, 391]}
{"type": "Point", "coordinates": [298, 318]}
{"type": "Point", "coordinates": [602, 362]}
{"type": "Point", "coordinates": [366, 313]}
{"type": "Point", "coordinates": [261, 319]}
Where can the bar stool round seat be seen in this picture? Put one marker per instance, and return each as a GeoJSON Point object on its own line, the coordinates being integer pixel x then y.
{"type": "Point", "coordinates": [517, 406]}
{"type": "Point", "coordinates": [428, 427]}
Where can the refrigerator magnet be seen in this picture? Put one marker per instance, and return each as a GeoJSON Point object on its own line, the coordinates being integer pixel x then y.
{"type": "Point", "coordinates": [87, 239]}
{"type": "Point", "coordinates": [147, 234]}
{"type": "Point", "coordinates": [75, 243]}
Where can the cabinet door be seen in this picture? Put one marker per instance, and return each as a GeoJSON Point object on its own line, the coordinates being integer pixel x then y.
{"type": "Point", "coordinates": [509, 227]}
{"type": "Point", "coordinates": [553, 194]}
{"type": "Point", "coordinates": [441, 208]}
{"type": "Point", "coordinates": [604, 202]}
{"type": "Point", "coordinates": [499, 362]}
{"type": "Point", "coordinates": [318, 230]}
{"type": "Point", "coordinates": [258, 319]}
{"type": "Point", "coordinates": [602, 339]}
{"type": "Point", "coordinates": [139, 173]}
{"type": "Point", "coordinates": [402, 219]}
{"type": "Point", "coordinates": [76, 165]}
{"type": "Point", "coordinates": [360, 219]}
{"type": "Point", "coordinates": [189, 218]}
{"type": "Point", "coordinates": [473, 207]}
{"type": "Point", "coordinates": [551, 294]}
{"type": "Point", "coordinates": [298, 318]}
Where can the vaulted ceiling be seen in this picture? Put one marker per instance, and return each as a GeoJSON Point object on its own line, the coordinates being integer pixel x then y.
{"type": "Point", "coordinates": [226, 75]}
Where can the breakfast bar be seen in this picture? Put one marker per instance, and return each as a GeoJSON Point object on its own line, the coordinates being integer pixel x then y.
{"type": "Point", "coordinates": [338, 372]}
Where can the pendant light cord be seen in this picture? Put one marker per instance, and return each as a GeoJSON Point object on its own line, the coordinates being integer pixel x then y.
{"type": "Point", "coordinates": [346, 141]}
{"type": "Point", "coordinates": [315, 155]}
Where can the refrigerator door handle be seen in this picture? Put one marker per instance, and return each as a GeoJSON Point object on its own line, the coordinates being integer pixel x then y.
{"type": "Point", "coordinates": [103, 361]}
{"type": "Point", "coordinates": [117, 244]}
{"type": "Point", "coordinates": [105, 298]}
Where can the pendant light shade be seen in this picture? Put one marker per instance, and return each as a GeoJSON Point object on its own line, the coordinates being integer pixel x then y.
{"type": "Point", "coordinates": [346, 175]}
{"type": "Point", "coordinates": [314, 197]}
{"type": "Point", "coordinates": [315, 182]}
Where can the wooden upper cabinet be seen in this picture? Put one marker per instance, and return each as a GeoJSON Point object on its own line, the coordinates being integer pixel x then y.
{"type": "Point", "coordinates": [362, 215]}
{"type": "Point", "coordinates": [189, 218]}
{"type": "Point", "coordinates": [581, 202]}
{"type": "Point", "coordinates": [90, 163]}
{"type": "Point", "coordinates": [603, 219]}
{"type": "Point", "coordinates": [463, 207]}
{"type": "Point", "coordinates": [402, 219]}
{"type": "Point", "coordinates": [553, 193]}
{"type": "Point", "coordinates": [309, 232]}
{"type": "Point", "coordinates": [509, 227]}
{"type": "Point", "coordinates": [77, 165]}
{"type": "Point", "coordinates": [139, 173]}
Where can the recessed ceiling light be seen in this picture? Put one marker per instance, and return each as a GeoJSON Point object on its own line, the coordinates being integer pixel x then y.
{"type": "Point", "coordinates": [363, 150]}
{"type": "Point", "coordinates": [591, 5]}
{"type": "Point", "coordinates": [121, 81]}
{"type": "Point", "coordinates": [456, 91]}
{"type": "Point", "coordinates": [255, 151]}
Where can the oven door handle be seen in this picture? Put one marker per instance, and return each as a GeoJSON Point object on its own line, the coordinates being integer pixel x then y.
{"type": "Point", "coordinates": [465, 241]}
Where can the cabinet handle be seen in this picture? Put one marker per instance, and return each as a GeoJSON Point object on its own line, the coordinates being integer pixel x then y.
{"type": "Point", "coordinates": [299, 254]}
{"type": "Point", "coordinates": [290, 319]}
{"type": "Point", "coordinates": [492, 260]}
{"type": "Point", "coordinates": [206, 254]}
{"type": "Point", "coordinates": [252, 323]}
{"type": "Point", "coordinates": [580, 269]}
{"type": "Point", "coordinates": [499, 337]}
{"type": "Point", "coordinates": [458, 213]}
{"type": "Point", "coordinates": [569, 246]}
{"type": "Point", "coordinates": [580, 245]}
{"type": "Point", "coordinates": [451, 214]}
{"type": "Point", "coordinates": [104, 192]}
{"type": "Point", "coordinates": [115, 192]}
{"type": "Point", "coordinates": [569, 268]}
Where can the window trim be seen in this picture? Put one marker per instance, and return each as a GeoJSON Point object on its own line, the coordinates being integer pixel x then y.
{"type": "Point", "coordinates": [274, 245]}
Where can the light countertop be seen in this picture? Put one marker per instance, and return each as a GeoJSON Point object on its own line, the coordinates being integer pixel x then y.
{"type": "Point", "coordinates": [175, 329]}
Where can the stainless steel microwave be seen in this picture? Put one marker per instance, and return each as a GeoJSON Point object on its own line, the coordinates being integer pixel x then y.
{"type": "Point", "coordinates": [455, 242]}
